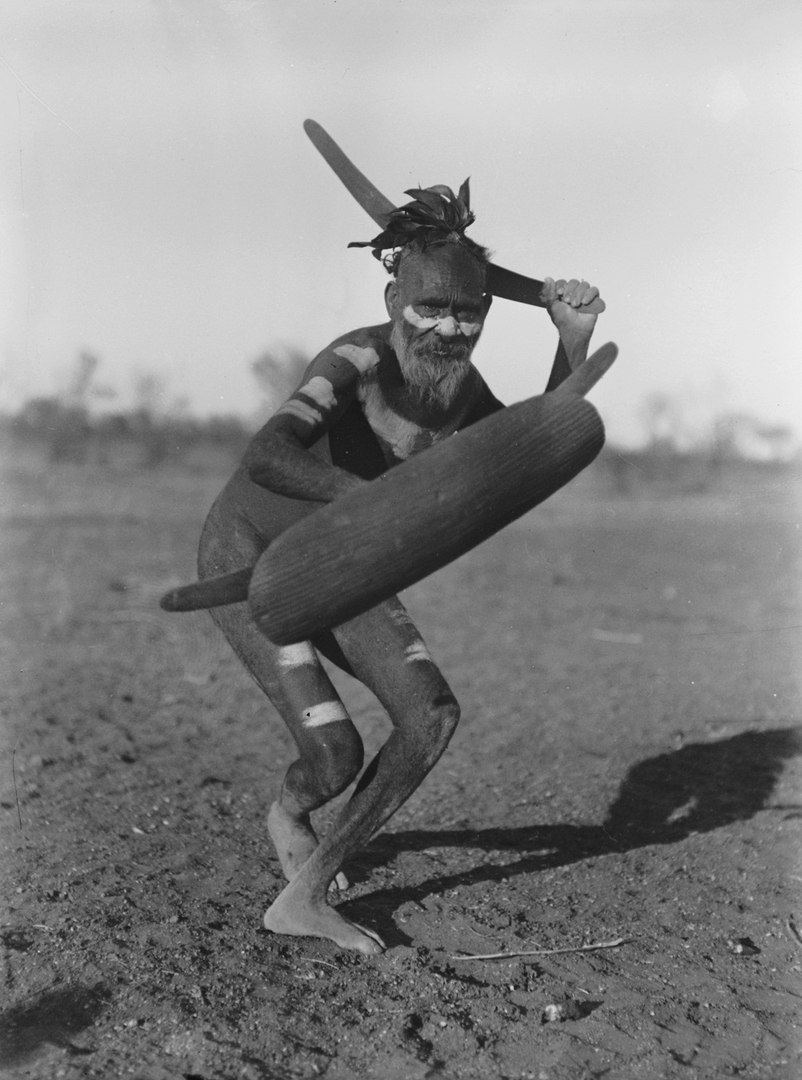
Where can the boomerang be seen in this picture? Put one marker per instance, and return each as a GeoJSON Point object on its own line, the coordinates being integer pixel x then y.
{"type": "Point", "coordinates": [465, 490]}
{"type": "Point", "coordinates": [361, 549]}
{"type": "Point", "coordinates": [504, 283]}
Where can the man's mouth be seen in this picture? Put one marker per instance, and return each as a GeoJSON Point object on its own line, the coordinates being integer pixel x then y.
{"type": "Point", "coordinates": [456, 350]}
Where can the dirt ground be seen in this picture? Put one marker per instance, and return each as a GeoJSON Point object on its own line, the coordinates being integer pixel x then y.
{"type": "Point", "coordinates": [627, 769]}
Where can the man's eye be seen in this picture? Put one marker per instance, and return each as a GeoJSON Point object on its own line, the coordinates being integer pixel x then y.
{"type": "Point", "coordinates": [429, 311]}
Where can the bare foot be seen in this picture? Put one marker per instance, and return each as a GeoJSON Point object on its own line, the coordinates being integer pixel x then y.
{"type": "Point", "coordinates": [299, 916]}
{"type": "Point", "coordinates": [294, 841]}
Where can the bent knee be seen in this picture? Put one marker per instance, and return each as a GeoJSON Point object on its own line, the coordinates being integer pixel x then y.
{"type": "Point", "coordinates": [439, 721]}
{"type": "Point", "coordinates": [447, 711]}
{"type": "Point", "coordinates": [337, 759]}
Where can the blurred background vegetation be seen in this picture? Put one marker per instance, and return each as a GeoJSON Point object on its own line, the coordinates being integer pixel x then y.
{"type": "Point", "coordinates": [85, 425]}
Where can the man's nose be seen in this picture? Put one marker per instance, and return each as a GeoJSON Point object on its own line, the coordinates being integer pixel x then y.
{"type": "Point", "coordinates": [447, 327]}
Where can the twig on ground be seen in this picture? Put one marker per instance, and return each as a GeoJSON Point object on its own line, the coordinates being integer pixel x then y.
{"type": "Point", "coordinates": [313, 960]}
{"type": "Point", "coordinates": [307, 1045]}
{"type": "Point", "coordinates": [14, 778]}
{"type": "Point", "coordinates": [546, 952]}
{"type": "Point", "coordinates": [794, 931]}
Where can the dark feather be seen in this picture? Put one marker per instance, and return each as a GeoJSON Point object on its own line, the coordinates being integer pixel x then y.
{"type": "Point", "coordinates": [465, 194]}
{"type": "Point", "coordinates": [433, 211]}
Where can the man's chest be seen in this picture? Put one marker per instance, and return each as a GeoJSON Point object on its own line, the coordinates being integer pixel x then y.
{"type": "Point", "coordinates": [399, 436]}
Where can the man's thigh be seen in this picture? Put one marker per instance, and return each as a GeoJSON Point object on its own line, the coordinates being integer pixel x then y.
{"type": "Point", "coordinates": [387, 653]}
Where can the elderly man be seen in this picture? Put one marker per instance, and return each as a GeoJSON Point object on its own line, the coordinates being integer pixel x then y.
{"type": "Point", "coordinates": [371, 399]}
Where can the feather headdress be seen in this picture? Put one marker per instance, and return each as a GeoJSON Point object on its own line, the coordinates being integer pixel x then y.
{"type": "Point", "coordinates": [435, 213]}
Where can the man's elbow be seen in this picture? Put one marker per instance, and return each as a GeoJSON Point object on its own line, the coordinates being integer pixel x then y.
{"type": "Point", "coordinates": [262, 460]}
{"type": "Point", "coordinates": [261, 475]}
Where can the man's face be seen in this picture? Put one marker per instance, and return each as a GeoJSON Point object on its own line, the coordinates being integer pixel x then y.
{"type": "Point", "coordinates": [437, 305]}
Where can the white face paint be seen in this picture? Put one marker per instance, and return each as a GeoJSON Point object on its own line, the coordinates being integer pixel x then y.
{"type": "Point", "coordinates": [446, 326]}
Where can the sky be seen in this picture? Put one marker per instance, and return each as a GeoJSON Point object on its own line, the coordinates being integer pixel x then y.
{"type": "Point", "coordinates": [162, 208]}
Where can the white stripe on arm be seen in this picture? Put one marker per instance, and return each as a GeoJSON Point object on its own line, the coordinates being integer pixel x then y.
{"type": "Point", "coordinates": [302, 410]}
{"type": "Point", "coordinates": [320, 391]}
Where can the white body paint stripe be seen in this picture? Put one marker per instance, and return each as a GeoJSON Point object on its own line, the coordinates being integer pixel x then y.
{"type": "Point", "coordinates": [328, 712]}
{"type": "Point", "coordinates": [363, 359]}
{"type": "Point", "coordinates": [417, 651]}
{"type": "Point", "coordinates": [448, 326]}
{"type": "Point", "coordinates": [302, 410]}
{"type": "Point", "coordinates": [320, 391]}
{"type": "Point", "coordinates": [300, 655]}
{"type": "Point", "coordinates": [400, 434]}
{"type": "Point", "coordinates": [401, 617]}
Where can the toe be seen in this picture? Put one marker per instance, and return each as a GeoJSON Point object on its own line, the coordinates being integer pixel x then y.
{"type": "Point", "coordinates": [341, 882]}
{"type": "Point", "coordinates": [377, 946]}
{"type": "Point", "coordinates": [369, 946]}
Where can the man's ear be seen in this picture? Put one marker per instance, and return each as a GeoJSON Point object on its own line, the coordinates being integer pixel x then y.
{"type": "Point", "coordinates": [391, 297]}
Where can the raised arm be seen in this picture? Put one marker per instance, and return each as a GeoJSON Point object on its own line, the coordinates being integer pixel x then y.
{"type": "Point", "coordinates": [562, 299]}
{"type": "Point", "coordinates": [279, 457]}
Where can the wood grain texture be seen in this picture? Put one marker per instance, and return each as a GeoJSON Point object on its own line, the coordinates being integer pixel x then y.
{"type": "Point", "coordinates": [382, 538]}
{"type": "Point", "coordinates": [216, 592]}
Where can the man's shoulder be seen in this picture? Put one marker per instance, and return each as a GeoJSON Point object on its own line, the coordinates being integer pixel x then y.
{"type": "Point", "coordinates": [352, 355]}
{"type": "Point", "coordinates": [365, 346]}
{"type": "Point", "coordinates": [377, 336]}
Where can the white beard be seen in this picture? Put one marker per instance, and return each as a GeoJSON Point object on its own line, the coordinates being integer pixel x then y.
{"type": "Point", "coordinates": [435, 379]}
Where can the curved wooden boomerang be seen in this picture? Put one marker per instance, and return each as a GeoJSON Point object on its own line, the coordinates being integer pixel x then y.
{"type": "Point", "coordinates": [501, 282]}
{"type": "Point", "coordinates": [353, 553]}
{"type": "Point", "coordinates": [501, 469]}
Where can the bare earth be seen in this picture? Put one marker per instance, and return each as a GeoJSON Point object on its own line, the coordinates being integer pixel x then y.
{"type": "Point", "coordinates": [627, 767]}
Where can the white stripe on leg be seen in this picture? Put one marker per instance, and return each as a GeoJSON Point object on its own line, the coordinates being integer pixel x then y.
{"type": "Point", "coordinates": [328, 712]}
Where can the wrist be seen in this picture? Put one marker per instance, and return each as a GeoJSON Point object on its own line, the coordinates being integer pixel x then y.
{"type": "Point", "coordinates": [575, 345]}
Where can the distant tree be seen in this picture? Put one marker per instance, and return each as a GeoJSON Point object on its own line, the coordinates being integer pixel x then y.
{"type": "Point", "coordinates": [743, 437]}
{"type": "Point", "coordinates": [85, 367]}
{"type": "Point", "coordinates": [160, 428]}
{"type": "Point", "coordinates": [165, 429]}
{"type": "Point", "coordinates": [225, 430]}
{"type": "Point", "coordinates": [278, 372]}
{"type": "Point", "coordinates": [69, 430]}
{"type": "Point", "coordinates": [146, 423]}
{"type": "Point", "coordinates": [662, 419]}
{"type": "Point", "coordinates": [37, 417]}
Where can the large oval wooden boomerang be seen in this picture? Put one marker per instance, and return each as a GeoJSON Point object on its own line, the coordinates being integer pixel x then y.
{"type": "Point", "coordinates": [416, 518]}
{"type": "Point", "coordinates": [501, 282]}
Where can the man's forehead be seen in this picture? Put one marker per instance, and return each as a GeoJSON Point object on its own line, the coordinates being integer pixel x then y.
{"type": "Point", "coordinates": [447, 271]}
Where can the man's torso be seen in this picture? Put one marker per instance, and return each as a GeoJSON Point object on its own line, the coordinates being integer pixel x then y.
{"type": "Point", "coordinates": [377, 430]}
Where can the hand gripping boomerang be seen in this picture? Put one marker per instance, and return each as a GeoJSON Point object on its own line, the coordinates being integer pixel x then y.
{"type": "Point", "coordinates": [501, 282]}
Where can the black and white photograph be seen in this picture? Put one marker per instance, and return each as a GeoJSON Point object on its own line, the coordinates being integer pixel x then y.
{"type": "Point", "coordinates": [400, 512]}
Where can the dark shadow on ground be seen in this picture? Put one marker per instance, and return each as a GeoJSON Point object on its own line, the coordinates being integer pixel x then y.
{"type": "Point", "coordinates": [53, 1018]}
{"type": "Point", "coordinates": [698, 788]}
